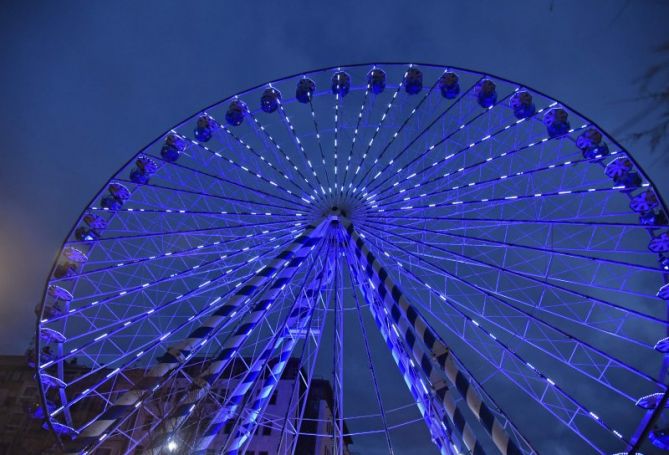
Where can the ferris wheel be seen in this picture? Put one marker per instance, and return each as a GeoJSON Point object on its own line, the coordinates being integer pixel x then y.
{"type": "Point", "coordinates": [469, 264]}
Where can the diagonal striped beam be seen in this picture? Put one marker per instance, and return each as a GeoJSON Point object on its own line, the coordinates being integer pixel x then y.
{"type": "Point", "coordinates": [297, 321]}
{"type": "Point", "coordinates": [231, 347]}
{"type": "Point", "coordinates": [436, 362]}
{"type": "Point", "coordinates": [302, 314]}
{"type": "Point", "coordinates": [176, 356]}
{"type": "Point", "coordinates": [426, 401]}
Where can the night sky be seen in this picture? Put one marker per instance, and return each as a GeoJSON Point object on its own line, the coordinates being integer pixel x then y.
{"type": "Point", "coordinates": [84, 85]}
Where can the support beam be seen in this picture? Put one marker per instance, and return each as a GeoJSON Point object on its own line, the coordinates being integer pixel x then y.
{"type": "Point", "coordinates": [176, 356]}
{"type": "Point", "coordinates": [250, 421]}
{"type": "Point", "coordinates": [228, 352]}
{"type": "Point", "coordinates": [287, 339]}
{"type": "Point", "coordinates": [436, 361]}
{"type": "Point", "coordinates": [437, 422]}
{"type": "Point", "coordinates": [338, 365]}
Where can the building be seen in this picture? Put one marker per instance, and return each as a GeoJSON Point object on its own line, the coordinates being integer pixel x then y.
{"type": "Point", "coordinates": [21, 432]}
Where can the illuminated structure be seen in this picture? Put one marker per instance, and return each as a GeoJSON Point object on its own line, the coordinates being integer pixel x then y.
{"type": "Point", "coordinates": [467, 260]}
{"type": "Point", "coordinates": [21, 432]}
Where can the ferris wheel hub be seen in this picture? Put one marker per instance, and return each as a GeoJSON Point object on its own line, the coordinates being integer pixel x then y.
{"type": "Point", "coordinates": [339, 205]}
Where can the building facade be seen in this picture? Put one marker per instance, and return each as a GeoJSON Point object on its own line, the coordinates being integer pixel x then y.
{"type": "Point", "coordinates": [22, 427]}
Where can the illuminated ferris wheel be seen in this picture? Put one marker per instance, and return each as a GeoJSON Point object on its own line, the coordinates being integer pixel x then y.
{"type": "Point", "coordinates": [462, 259]}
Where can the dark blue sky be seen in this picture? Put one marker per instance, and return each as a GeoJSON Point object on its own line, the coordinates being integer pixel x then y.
{"type": "Point", "coordinates": [84, 85]}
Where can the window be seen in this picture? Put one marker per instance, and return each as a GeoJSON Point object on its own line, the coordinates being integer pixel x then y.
{"type": "Point", "coordinates": [266, 431]}
{"type": "Point", "coordinates": [228, 427]}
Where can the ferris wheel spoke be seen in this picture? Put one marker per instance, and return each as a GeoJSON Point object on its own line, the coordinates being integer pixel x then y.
{"type": "Point", "coordinates": [513, 221]}
{"type": "Point", "coordinates": [370, 364]}
{"type": "Point", "coordinates": [293, 166]}
{"type": "Point", "coordinates": [275, 147]}
{"type": "Point", "coordinates": [504, 243]}
{"type": "Point", "coordinates": [336, 143]}
{"type": "Point", "coordinates": [113, 318]}
{"type": "Point", "coordinates": [406, 184]}
{"type": "Point", "coordinates": [217, 214]}
{"type": "Point", "coordinates": [441, 432]}
{"type": "Point", "coordinates": [477, 184]}
{"type": "Point", "coordinates": [227, 354]}
{"type": "Point", "coordinates": [129, 223]}
{"type": "Point", "coordinates": [542, 335]}
{"type": "Point", "coordinates": [208, 179]}
{"type": "Point", "coordinates": [233, 317]}
{"type": "Point", "coordinates": [305, 368]}
{"type": "Point", "coordinates": [297, 321]}
{"type": "Point", "coordinates": [171, 191]}
{"type": "Point", "coordinates": [625, 313]}
{"type": "Point", "coordinates": [462, 172]}
{"type": "Point", "coordinates": [514, 151]}
{"type": "Point", "coordinates": [485, 112]}
{"type": "Point", "coordinates": [590, 265]}
{"type": "Point", "coordinates": [364, 182]}
{"type": "Point", "coordinates": [586, 238]}
{"type": "Point", "coordinates": [184, 349]}
{"type": "Point", "coordinates": [320, 144]}
{"type": "Point", "coordinates": [184, 231]}
{"type": "Point", "coordinates": [510, 362]}
{"type": "Point", "coordinates": [169, 233]}
{"type": "Point", "coordinates": [355, 137]}
{"type": "Point", "coordinates": [406, 121]}
{"type": "Point", "coordinates": [119, 263]}
{"type": "Point", "coordinates": [211, 284]}
{"type": "Point", "coordinates": [201, 248]}
{"type": "Point", "coordinates": [135, 355]}
{"type": "Point", "coordinates": [436, 360]}
{"type": "Point", "coordinates": [510, 199]}
{"type": "Point", "coordinates": [298, 144]}
{"type": "Point", "coordinates": [250, 190]}
{"type": "Point", "coordinates": [241, 168]}
{"type": "Point", "coordinates": [160, 336]}
{"type": "Point", "coordinates": [253, 409]}
{"type": "Point", "coordinates": [378, 128]}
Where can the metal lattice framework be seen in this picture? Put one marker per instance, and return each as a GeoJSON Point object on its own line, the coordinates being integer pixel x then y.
{"type": "Point", "coordinates": [466, 261]}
